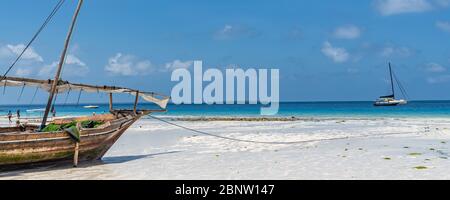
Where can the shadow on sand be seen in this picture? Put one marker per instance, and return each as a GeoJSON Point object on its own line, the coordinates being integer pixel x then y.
{"type": "Point", "coordinates": [83, 165]}
{"type": "Point", "coordinates": [124, 159]}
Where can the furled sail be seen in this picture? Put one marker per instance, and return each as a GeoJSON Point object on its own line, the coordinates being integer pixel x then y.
{"type": "Point", "coordinates": [388, 96]}
{"type": "Point", "coordinates": [64, 86]}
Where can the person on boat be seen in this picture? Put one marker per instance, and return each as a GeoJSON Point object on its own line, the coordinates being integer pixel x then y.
{"type": "Point", "coordinates": [9, 117]}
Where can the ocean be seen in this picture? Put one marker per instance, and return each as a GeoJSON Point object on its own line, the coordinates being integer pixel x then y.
{"type": "Point", "coordinates": [287, 109]}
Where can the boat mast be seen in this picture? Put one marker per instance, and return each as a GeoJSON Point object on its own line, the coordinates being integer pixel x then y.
{"type": "Point", "coordinates": [392, 80]}
{"type": "Point", "coordinates": [61, 63]}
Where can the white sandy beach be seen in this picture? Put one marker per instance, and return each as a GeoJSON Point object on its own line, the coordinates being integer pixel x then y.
{"type": "Point", "coordinates": [154, 150]}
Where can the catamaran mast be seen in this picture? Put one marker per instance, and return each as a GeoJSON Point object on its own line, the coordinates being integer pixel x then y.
{"type": "Point", "coordinates": [392, 80]}
{"type": "Point", "coordinates": [61, 63]}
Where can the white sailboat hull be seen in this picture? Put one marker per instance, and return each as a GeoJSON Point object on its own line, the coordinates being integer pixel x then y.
{"type": "Point", "coordinates": [390, 102]}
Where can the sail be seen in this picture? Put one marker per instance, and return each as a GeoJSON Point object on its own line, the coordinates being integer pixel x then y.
{"type": "Point", "coordinates": [65, 86]}
{"type": "Point", "coordinates": [387, 97]}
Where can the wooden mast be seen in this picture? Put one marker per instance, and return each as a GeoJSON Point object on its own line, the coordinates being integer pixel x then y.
{"type": "Point", "coordinates": [136, 103]}
{"type": "Point", "coordinates": [61, 63]}
{"type": "Point", "coordinates": [111, 108]}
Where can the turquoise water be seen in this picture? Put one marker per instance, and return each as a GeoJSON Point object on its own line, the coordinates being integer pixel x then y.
{"type": "Point", "coordinates": [300, 109]}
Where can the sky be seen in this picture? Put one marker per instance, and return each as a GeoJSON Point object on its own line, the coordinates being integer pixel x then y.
{"type": "Point", "coordinates": [326, 50]}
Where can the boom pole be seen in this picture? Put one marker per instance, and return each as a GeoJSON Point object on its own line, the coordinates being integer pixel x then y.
{"type": "Point", "coordinates": [60, 65]}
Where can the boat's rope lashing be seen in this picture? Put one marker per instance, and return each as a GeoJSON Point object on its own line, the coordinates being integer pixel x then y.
{"type": "Point", "coordinates": [281, 143]}
{"type": "Point", "coordinates": [47, 20]}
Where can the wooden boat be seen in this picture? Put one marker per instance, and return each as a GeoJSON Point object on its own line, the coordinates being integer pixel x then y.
{"type": "Point", "coordinates": [28, 145]}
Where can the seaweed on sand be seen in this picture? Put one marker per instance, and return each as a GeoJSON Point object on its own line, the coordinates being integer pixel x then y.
{"type": "Point", "coordinates": [420, 167]}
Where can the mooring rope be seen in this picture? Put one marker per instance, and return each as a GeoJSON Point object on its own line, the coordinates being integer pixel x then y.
{"type": "Point", "coordinates": [280, 143]}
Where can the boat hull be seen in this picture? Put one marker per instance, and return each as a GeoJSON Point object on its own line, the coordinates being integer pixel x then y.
{"type": "Point", "coordinates": [384, 102]}
{"type": "Point", "coordinates": [36, 149]}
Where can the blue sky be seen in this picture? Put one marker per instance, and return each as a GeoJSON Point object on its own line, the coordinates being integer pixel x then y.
{"type": "Point", "coordinates": [325, 50]}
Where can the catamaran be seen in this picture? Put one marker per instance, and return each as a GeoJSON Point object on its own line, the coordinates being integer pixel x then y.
{"type": "Point", "coordinates": [390, 100]}
{"type": "Point", "coordinates": [68, 140]}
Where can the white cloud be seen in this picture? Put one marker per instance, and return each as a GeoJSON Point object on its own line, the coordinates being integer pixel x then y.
{"type": "Point", "coordinates": [73, 67]}
{"type": "Point", "coordinates": [393, 7]}
{"type": "Point", "coordinates": [73, 60]}
{"type": "Point", "coordinates": [439, 79]}
{"type": "Point", "coordinates": [434, 67]}
{"type": "Point", "coordinates": [347, 32]}
{"type": "Point", "coordinates": [225, 32]}
{"type": "Point", "coordinates": [5, 52]}
{"type": "Point", "coordinates": [47, 70]}
{"type": "Point", "coordinates": [23, 72]}
{"type": "Point", "coordinates": [128, 65]}
{"type": "Point", "coordinates": [15, 50]}
{"type": "Point", "coordinates": [394, 51]}
{"type": "Point", "coordinates": [178, 64]}
{"type": "Point", "coordinates": [445, 26]}
{"type": "Point", "coordinates": [388, 51]}
{"type": "Point", "coordinates": [338, 55]}
{"type": "Point", "coordinates": [234, 31]}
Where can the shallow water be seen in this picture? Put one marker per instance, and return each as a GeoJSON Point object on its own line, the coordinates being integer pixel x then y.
{"type": "Point", "coordinates": [299, 109]}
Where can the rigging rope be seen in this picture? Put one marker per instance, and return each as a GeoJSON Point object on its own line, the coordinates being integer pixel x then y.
{"type": "Point", "coordinates": [277, 143]}
{"type": "Point", "coordinates": [402, 89]}
{"type": "Point", "coordinates": [21, 92]}
{"type": "Point", "coordinates": [34, 96]}
{"type": "Point", "coordinates": [67, 97]}
{"type": "Point", "coordinates": [79, 96]}
{"type": "Point", "coordinates": [47, 20]}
